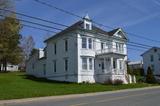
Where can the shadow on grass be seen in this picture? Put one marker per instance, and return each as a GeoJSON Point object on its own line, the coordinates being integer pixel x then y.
{"type": "Point", "coordinates": [4, 71]}
{"type": "Point", "coordinates": [33, 78]}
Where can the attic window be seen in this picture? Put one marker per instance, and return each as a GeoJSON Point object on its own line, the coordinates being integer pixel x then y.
{"type": "Point", "coordinates": [119, 33]}
{"type": "Point", "coordinates": [155, 50]}
{"type": "Point", "coordinates": [88, 26]}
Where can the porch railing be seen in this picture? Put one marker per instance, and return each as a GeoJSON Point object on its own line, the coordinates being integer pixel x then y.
{"type": "Point", "coordinates": [115, 71]}
{"type": "Point", "coordinates": [110, 50]}
{"type": "Point", "coordinates": [118, 71]}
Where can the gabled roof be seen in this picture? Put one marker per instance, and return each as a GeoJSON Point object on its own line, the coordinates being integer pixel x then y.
{"type": "Point", "coordinates": [112, 32]}
{"type": "Point", "coordinates": [150, 50]}
{"type": "Point", "coordinates": [71, 28]}
{"type": "Point", "coordinates": [79, 25]}
{"type": "Point", "coordinates": [135, 62]}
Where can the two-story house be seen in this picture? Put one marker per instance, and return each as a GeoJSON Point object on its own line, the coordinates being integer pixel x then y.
{"type": "Point", "coordinates": [151, 58]}
{"type": "Point", "coordinates": [82, 53]}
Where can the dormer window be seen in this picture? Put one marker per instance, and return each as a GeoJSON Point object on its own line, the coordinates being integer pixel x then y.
{"type": "Point", "coordinates": [88, 26]}
{"type": "Point", "coordinates": [87, 23]}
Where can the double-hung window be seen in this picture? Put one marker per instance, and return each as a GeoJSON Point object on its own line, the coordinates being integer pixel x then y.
{"type": "Point", "coordinates": [102, 65]}
{"type": "Point", "coordinates": [152, 58]}
{"type": "Point", "coordinates": [120, 64]}
{"type": "Point", "coordinates": [152, 67]}
{"type": "Point", "coordinates": [159, 57]}
{"type": "Point", "coordinates": [66, 64]}
{"type": "Point", "coordinates": [102, 45]}
{"type": "Point", "coordinates": [84, 42]}
{"type": "Point", "coordinates": [55, 64]}
{"type": "Point", "coordinates": [84, 63]}
{"type": "Point", "coordinates": [66, 45]}
{"type": "Point", "coordinates": [44, 69]}
{"type": "Point", "coordinates": [55, 48]}
{"type": "Point", "coordinates": [90, 43]}
{"type": "Point", "coordinates": [117, 46]}
{"type": "Point", "coordinates": [90, 63]}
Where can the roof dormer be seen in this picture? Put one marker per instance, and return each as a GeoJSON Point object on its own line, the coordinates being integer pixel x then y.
{"type": "Point", "coordinates": [87, 22]}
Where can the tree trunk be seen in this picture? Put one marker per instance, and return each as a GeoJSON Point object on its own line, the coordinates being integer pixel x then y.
{"type": "Point", "coordinates": [0, 67]}
{"type": "Point", "coordinates": [5, 65]}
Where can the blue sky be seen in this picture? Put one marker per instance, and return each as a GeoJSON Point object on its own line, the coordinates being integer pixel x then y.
{"type": "Point", "coordinates": [136, 16]}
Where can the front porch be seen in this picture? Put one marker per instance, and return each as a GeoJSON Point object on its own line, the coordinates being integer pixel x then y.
{"type": "Point", "coordinates": [110, 67]}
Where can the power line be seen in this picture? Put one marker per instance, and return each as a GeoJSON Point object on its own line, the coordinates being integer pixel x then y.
{"type": "Point", "coordinates": [140, 44]}
{"type": "Point", "coordinates": [37, 18]}
{"type": "Point", "coordinates": [36, 23]}
{"type": "Point", "coordinates": [73, 14]}
{"type": "Point", "coordinates": [57, 23]}
{"type": "Point", "coordinates": [38, 28]}
{"type": "Point", "coordinates": [70, 13]}
{"type": "Point", "coordinates": [134, 44]}
{"type": "Point", "coordinates": [30, 26]}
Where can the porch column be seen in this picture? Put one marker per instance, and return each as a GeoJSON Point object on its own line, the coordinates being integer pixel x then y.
{"type": "Point", "coordinates": [117, 66]}
{"type": "Point", "coordinates": [111, 67]}
{"type": "Point", "coordinates": [104, 63]}
{"type": "Point", "coordinates": [124, 67]}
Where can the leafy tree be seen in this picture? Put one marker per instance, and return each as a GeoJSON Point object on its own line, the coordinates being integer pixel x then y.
{"type": "Point", "coordinates": [9, 43]}
{"type": "Point", "coordinates": [6, 4]}
{"type": "Point", "coordinates": [150, 77]}
{"type": "Point", "coordinates": [129, 71]}
{"type": "Point", "coordinates": [142, 72]}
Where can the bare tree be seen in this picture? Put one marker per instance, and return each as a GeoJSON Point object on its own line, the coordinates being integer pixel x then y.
{"type": "Point", "coordinates": [27, 45]}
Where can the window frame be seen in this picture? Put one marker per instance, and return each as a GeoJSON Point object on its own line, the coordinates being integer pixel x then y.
{"type": "Point", "coordinates": [153, 67]}
{"type": "Point", "coordinates": [84, 43]}
{"type": "Point", "coordinates": [102, 45]}
{"type": "Point", "coordinates": [84, 63]}
{"type": "Point", "coordinates": [114, 64]}
{"type": "Point", "coordinates": [55, 48]}
{"type": "Point", "coordinates": [120, 64]}
{"type": "Point", "coordinates": [66, 64]}
{"type": "Point", "coordinates": [151, 58]}
{"type": "Point", "coordinates": [55, 66]}
{"type": "Point", "coordinates": [87, 26]}
{"type": "Point", "coordinates": [102, 65]}
{"type": "Point", "coordinates": [66, 45]}
{"type": "Point", "coordinates": [90, 63]}
{"type": "Point", "coordinates": [44, 69]}
{"type": "Point", "coordinates": [90, 43]}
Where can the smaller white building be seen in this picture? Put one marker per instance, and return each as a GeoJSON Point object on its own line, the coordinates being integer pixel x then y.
{"type": "Point", "coordinates": [151, 58]}
{"type": "Point", "coordinates": [11, 67]}
{"type": "Point", "coordinates": [133, 65]}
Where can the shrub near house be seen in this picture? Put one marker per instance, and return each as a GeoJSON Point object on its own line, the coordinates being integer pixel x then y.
{"type": "Point", "coordinates": [150, 77]}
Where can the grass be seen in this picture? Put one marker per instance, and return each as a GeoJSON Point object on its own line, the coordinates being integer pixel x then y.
{"type": "Point", "coordinates": [18, 85]}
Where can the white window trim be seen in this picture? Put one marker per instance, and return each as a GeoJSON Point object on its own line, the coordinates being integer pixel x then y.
{"type": "Point", "coordinates": [87, 64]}
{"type": "Point", "coordinates": [90, 63]}
{"type": "Point", "coordinates": [87, 43]}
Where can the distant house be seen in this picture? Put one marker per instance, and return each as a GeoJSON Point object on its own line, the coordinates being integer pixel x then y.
{"type": "Point", "coordinates": [11, 67]}
{"type": "Point", "coordinates": [151, 58]}
{"type": "Point", "coordinates": [133, 65]}
{"type": "Point", "coordinates": [82, 53]}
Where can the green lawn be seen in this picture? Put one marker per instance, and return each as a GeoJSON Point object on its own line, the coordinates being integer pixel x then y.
{"type": "Point", "coordinates": [18, 85]}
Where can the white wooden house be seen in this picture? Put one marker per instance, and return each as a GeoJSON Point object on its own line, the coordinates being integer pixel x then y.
{"type": "Point", "coordinates": [151, 58]}
{"type": "Point", "coordinates": [82, 53]}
